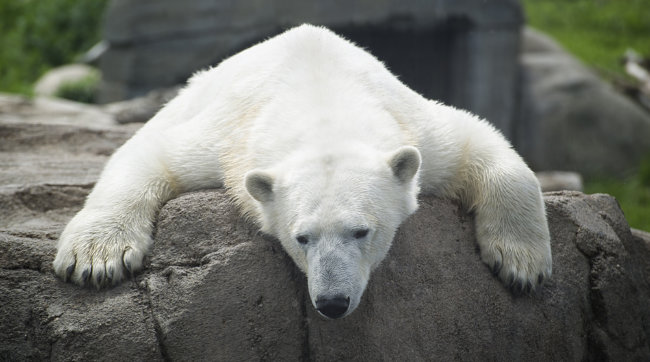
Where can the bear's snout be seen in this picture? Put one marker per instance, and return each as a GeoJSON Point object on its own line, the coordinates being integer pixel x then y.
{"type": "Point", "coordinates": [332, 306]}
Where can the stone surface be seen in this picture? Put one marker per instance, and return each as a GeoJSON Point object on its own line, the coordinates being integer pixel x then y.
{"type": "Point", "coordinates": [141, 109]}
{"type": "Point", "coordinates": [572, 120]}
{"type": "Point", "coordinates": [449, 307]}
{"type": "Point", "coordinates": [457, 51]}
{"type": "Point", "coordinates": [214, 288]}
{"type": "Point", "coordinates": [217, 272]}
{"type": "Point", "coordinates": [51, 153]}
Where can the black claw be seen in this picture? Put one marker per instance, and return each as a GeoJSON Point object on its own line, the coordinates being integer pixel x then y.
{"type": "Point", "coordinates": [520, 288]}
{"type": "Point", "coordinates": [540, 279]}
{"type": "Point", "coordinates": [109, 275]}
{"type": "Point", "coordinates": [529, 287]}
{"type": "Point", "coordinates": [496, 268]}
{"type": "Point", "coordinates": [69, 270]}
{"type": "Point", "coordinates": [517, 289]}
{"type": "Point", "coordinates": [127, 265]}
{"type": "Point", "coordinates": [99, 277]}
{"type": "Point", "coordinates": [84, 275]}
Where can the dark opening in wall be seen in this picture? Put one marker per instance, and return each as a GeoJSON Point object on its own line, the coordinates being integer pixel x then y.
{"type": "Point", "coordinates": [428, 59]}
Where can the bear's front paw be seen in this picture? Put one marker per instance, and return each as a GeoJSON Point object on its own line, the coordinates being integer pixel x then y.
{"type": "Point", "coordinates": [96, 249]}
{"type": "Point", "coordinates": [522, 265]}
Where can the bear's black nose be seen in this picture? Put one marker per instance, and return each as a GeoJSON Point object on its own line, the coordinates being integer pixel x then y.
{"type": "Point", "coordinates": [332, 307]}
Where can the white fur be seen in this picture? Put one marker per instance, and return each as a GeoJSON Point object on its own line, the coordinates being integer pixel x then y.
{"type": "Point", "coordinates": [312, 125]}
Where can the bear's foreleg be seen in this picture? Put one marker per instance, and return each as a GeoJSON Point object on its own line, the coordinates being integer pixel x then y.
{"type": "Point", "coordinates": [511, 226]}
{"type": "Point", "coordinates": [108, 239]}
{"type": "Point", "coordinates": [466, 158]}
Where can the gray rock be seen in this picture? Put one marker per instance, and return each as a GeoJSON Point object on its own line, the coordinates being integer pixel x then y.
{"type": "Point", "coordinates": [50, 156]}
{"type": "Point", "coordinates": [572, 120]}
{"type": "Point", "coordinates": [45, 319]}
{"type": "Point", "coordinates": [643, 238]}
{"type": "Point", "coordinates": [643, 235]}
{"type": "Point", "coordinates": [214, 288]}
{"type": "Point", "coordinates": [141, 109]}
{"type": "Point", "coordinates": [51, 153]}
{"type": "Point", "coordinates": [450, 308]}
{"type": "Point", "coordinates": [218, 272]}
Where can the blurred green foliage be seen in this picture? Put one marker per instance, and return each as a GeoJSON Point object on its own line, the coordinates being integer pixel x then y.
{"type": "Point", "coordinates": [36, 35]}
{"type": "Point", "coordinates": [596, 31]}
{"type": "Point", "coordinates": [84, 90]}
{"type": "Point", "coordinates": [633, 194]}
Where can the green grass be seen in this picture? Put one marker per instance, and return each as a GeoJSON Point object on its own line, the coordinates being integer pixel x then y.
{"type": "Point", "coordinates": [598, 32]}
{"type": "Point", "coordinates": [84, 90]}
{"type": "Point", "coordinates": [36, 35]}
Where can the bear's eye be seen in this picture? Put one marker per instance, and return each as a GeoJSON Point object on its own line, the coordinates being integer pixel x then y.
{"type": "Point", "coordinates": [361, 233]}
{"type": "Point", "coordinates": [302, 239]}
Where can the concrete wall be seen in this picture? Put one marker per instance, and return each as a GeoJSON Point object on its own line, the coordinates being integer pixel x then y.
{"type": "Point", "coordinates": [463, 52]}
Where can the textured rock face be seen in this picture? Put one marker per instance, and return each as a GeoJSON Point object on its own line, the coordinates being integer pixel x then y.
{"type": "Point", "coordinates": [51, 153]}
{"type": "Point", "coordinates": [572, 120]}
{"type": "Point", "coordinates": [213, 288]}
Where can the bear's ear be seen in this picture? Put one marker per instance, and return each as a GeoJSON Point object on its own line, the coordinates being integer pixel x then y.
{"type": "Point", "coordinates": [405, 163]}
{"type": "Point", "coordinates": [259, 185]}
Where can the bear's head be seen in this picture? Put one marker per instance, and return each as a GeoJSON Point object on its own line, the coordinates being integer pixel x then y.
{"type": "Point", "coordinates": [336, 215]}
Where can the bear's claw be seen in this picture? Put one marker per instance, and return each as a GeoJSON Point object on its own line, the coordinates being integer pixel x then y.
{"type": "Point", "coordinates": [84, 275]}
{"type": "Point", "coordinates": [519, 287]}
{"type": "Point", "coordinates": [496, 268]}
{"type": "Point", "coordinates": [521, 273]}
{"type": "Point", "coordinates": [68, 272]}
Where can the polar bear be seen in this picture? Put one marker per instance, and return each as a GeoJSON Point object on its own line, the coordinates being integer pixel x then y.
{"type": "Point", "coordinates": [327, 151]}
